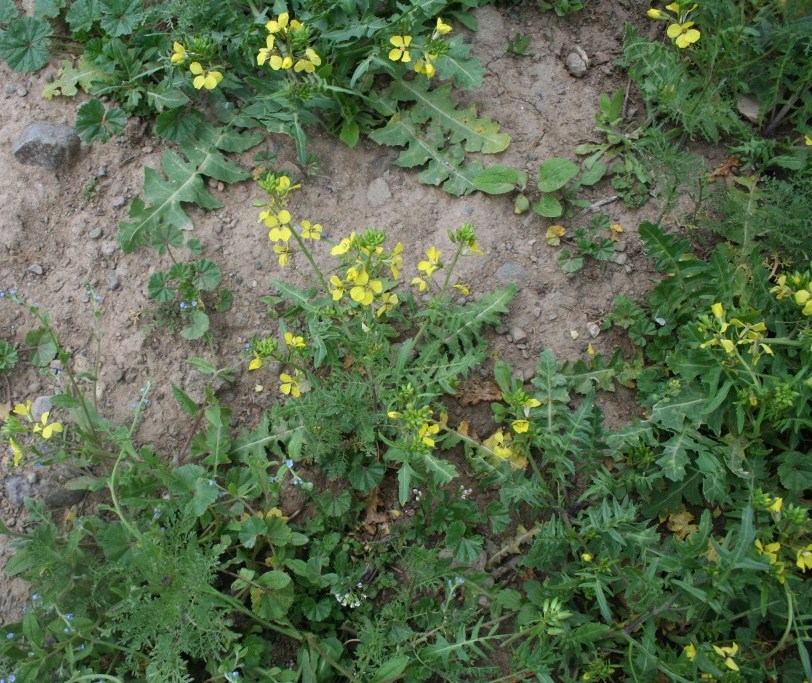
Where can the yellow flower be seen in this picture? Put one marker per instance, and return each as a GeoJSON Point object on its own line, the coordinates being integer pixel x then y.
{"type": "Point", "coordinates": [178, 53]}
{"type": "Point", "coordinates": [441, 28]}
{"type": "Point", "coordinates": [265, 53]}
{"type": "Point", "coordinates": [500, 445]}
{"type": "Point", "coordinates": [432, 264]}
{"type": "Point", "coordinates": [462, 288]}
{"type": "Point", "coordinates": [284, 252]}
{"type": "Point", "coordinates": [294, 342]}
{"type": "Point", "coordinates": [520, 426]}
{"type": "Point", "coordinates": [282, 24]}
{"type": "Point", "coordinates": [203, 78]}
{"type": "Point", "coordinates": [616, 229]}
{"type": "Point", "coordinates": [770, 550]}
{"type": "Point", "coordinates": [279, 234]}
{"type": "Point", "coordinates": [311, 232]}
{"type": "Point", "coordinates": [273, 220]}
{"type": "Point", "coordinates": [290, 385]}
{"type": "Point", "coordinates": [278, 62]}
{"type": "Point", "coordinates": [420, 283]}
{"type": "Point", "coordinates": [309, 63]}
{"type": "Point", "coordinates": [338, 285]}
{"type": "Point", "coordinates": [587, 557]}
{"type": "Point", "coordinates": [807, 140]}
{"type": "Point", "coordinates": [656, 14]}
{"type": "Point", "coordinates": [256, 362]}
{"type": "Point", "coordinates": [394, 415]}
{"type": "Point", "coordinates": [690, 651]}
{"type": "Point", "coordinates": [728, 653]}
{"type": "Point", "coordinates": [45, 429]}
{"type": "Point", "coordinates": [425, 67]}
{"type": "Point", "coordinates": [804, 558]}
{"type": "Point", "coordinates": [388, 303]}
{"type": "Point", "coordinates": [529, 404]}
{"type": "Point", "coordinates": [343, 246]}
{"type": "Point", "coordinates": [283, 184]}
{"type": "Point", "coordinates": [682, 34]}
{"type": "Point", "coordinates": [718, 311]}
{"type": "Point", "coordinates": [364, 289]}
{"type": "Point", "coordinates": [23, 410]}
{"type": "Point", "coordinates": [777, 503]}
{"type": "Point", "coordinates": [425, 433]}
{"type": "Point", "coordinates": [727, 345]}
{"type": "Point", "coordinates": [396, 260]}
{"type": "Point", "coordinates": [400, 53]}
{"type": "Point", "coordinates": [16, 451]}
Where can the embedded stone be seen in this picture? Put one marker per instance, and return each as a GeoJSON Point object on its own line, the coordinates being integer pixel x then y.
{"type": "Point", "coordinates": [47, 144]}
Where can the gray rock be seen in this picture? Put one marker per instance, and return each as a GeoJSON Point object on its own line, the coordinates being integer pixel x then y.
{"type": "Point", "coordinates": [94, 234]}
{"type": "Point", "coordinates": [518, 334]}
{"type": "Point", "coordinates": [47, 144]}
{"type": "Point", "coordinates": [40, 405]}
{"type": "Point", "coordinates": [18, 488]}
{"type": "Point", "coordinates": [593, 329]}
{"type": "Point", "coordinates": [36, 268]}
{"type": "Point", "coordinates": [512, 272]}
{"type": "Point", "coordinates": [21, 91]}
{"type": "Point", "coordinates": [52, 489]}
{"type": "Point", "coordinates": [114, 284]}
{"type": "Point", "coordinates": [577, 62]}
{"type": "Point", "coordinates": [119, 201]}
{"type": "Point", "coordinates": [108, 248]}
{"type": "Point", "coordinates": [10, 89]}
{"type": "Point", "coordinates": [378, 192]}
{"type": "Point", "coordinates": [749, 107]}
{"type": "Point", "coordinates": [619, 259]}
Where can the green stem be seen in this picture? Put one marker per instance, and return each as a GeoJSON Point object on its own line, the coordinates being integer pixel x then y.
{"type": "Point", "coordinates": [309, 256]}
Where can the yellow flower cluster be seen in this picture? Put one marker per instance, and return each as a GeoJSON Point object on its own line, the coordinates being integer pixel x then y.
{"type": "Point", "coordinates": [745, 334]}
{"type": "Point", "coordinates": [681, 29]}
{"type": "Point", "coordinates": [283, 47]}
{"type": "Point", "coordinates": [278, 219]}
{"type": "Point", "coordinates": [435, 46]}
{"type": "Point", "coordinates": [726, 652]}
{"type": "Point", "coordinates": [359, 280]}
{"type": "Point", "coordinates": [501, 445]}
{"type": "Point", "coordinates": [44, 427]}
{"type": "Point", "coordinates": [798, 286]}
{"type": "Point", "coordinates": [208, 79]}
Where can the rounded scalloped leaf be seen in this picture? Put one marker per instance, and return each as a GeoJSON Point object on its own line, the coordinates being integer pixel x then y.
{"type": "Point", "coordinates": [25, 44]}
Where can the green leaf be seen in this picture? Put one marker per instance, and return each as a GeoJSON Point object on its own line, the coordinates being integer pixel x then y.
{"type": "Point", "coordinates": [25, 44]}
{"type": "Point", "coordinates": [335, 505]}
{"type": "Point", "coordinates": [593, 174]}
{"type": "Point", "coordinates": [349, 133]}
{"type": "Point", "coordinates": [158, 288]}
{"type": "Point", "coordinates": [69, 79]}
{"type": "Point", "coordinates": [82, 14]}
{"type": "Point", "coordinates": [185, 401]}
{"type": "Point", "coordinates": [250, 530]}
{"type": "Point", "coordinates": [457, 63]}
{"type": "Point", "coordinates": [555, 173]}
{"type": "Point", "coordinates": [197, 326]}
{"type": "Point", "coordinates": [392, 670]}
{"type": "Point", "coordinates": [675, 454]}
{"type": "Point", "coordinates": [207, 275]}
{"type": "Point", "coordinates": [569, 263]}
{"type": "Point", "coordinates": [8, 11]}
{"type": "Point", "coordinates": [317, 611]}
{"type": "Point", "coordinates": [43, 348]}
{"type": "Point", "coordinates": [275, 580]}
{"type": "Point", "coordinates": [440, 471]}
{"type": "Point", "coordinates": [500, 180]}
{"type": "Point", "coordinates": [96, 125]}
{"type": "Point", "coordinates": [548, 206]}
{"type": "Point", "coordinates": [795, 471]}
{"type": "Point", "coordinates": [120, 17]}
{"type": "Point", "coordinates": [205, 494]}
{"type": "Point", "coordinates": [278, 531]}
{"type": "Point", "coordinates": [366, 476]}
{"type": "Point", "coordinates": [48, 8]}
{"type": "Point", "coordinates": [166, 97]}
{"type": "Point", "coordinates": [673, 412]}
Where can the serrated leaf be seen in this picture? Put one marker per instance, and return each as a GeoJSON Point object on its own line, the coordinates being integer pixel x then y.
{"type": "Point", "coordinates": [675, 456]}
{"type": "Point", "coordinates": [25, 44]}
{"type": "Point", "coordinates": [672, 412]}
{"type": "Point", "coordinates": [95, 124]}
{"type": "Point", "coordinates": [158, 288]}
{"type": "Point", "coordinates": [207, 275]}
{"type": "Point", "coordinates": [120, 17]}
{"type": "Point", "coordinates": [8, 11]}
{"type": "Point", "coordinates": [585, 378]}
{"type": "Point", "coordinates": [457, 63]}
{"type": "Point", "coordinates": [555, 173]}
{"type": "Point", "coordinates": [43, 348]}
{"type": "Point", "coordinates": [205, 494]}
{"type": "Point", "coordinates": [184, 183]}
{"type": "Point", "coordinates": [795, 471]}
{"type": "Point", "coordinates": [48, 8]}
{"type": "Point", "coordinates": [69, 79]}
{"type": "Point", "coordinates": [82, 14]}
{"type": "Point", "coordinates": [165, 97]}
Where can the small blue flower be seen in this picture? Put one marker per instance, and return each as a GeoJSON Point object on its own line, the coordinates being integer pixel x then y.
{"type": "Point", "coordinates": [69, 617]}
{"type": "Point", "coordinates": [10, 636]}
{"type": "Point", "coordinates": [36, 596]}
{"type": "Point", "coordinates": [66, 629]}
{"type": "Point", "coordinates": [12, 292]}
{"type": "Point", "coordinates": [2, 294]}
{"type": "Point", "coordinates": [297, 482]}
{"type": "Point", "coordinates": [272, 480]}
{"type": "Point", "coordinates": [289, 463]}
{"type": "Point", "coordinates": [37, 465]}
{"type": "Point", "coordinates": [247, 346]}
{"type": "Point", "coordinates": [211, 482]}
{"type": "Point", "coordinates": [183, 305]}
{"type": "Point", "coordinates": [96, 298]}
{"type": "Point", "coordinates": [12, 678]}
{"type": "Point", "coordinates": [194, 303]}
{"type": "Point", "coordinates": [156, 513]}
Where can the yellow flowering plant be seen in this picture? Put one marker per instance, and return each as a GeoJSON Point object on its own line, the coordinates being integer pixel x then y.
{"type": "Point", "coordinates": [681, 27]}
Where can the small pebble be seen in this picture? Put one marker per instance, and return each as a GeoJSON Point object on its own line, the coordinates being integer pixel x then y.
{"type": "Point", "coordinates": [518, 334]}
{"type": "Point", "coordinates": [95, 233]}
{"type": "Point", "coordinates": [113, 284]}
{"type": "Point", "coordinates": [593, 329]}
{"type": "Point", "coordinates": [36, 268]}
